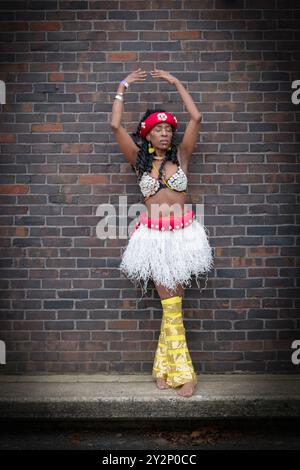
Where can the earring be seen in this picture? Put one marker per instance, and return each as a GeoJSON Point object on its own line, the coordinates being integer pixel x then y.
{"type": "Point", "coordinates": [170, 147]}
{"type": "Point", "coordinates": [150, 148]}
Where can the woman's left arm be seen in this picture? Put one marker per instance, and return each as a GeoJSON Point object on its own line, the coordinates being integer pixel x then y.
{"type": "Point", "coordinates": [188, 101]}
{"type": "Point", "coordinates": [186, 97]}
{"type": "Point", "coordinates": [191, 133]}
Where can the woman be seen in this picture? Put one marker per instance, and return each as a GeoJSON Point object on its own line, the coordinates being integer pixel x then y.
{"type": "Point", "coordinates": [168, 244]}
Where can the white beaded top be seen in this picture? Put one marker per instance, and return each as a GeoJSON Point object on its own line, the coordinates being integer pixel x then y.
{"type": "Point", "coordinates": [150, 185]}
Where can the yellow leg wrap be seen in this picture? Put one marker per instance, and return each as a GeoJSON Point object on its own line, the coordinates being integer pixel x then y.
{"type": "Point", "coordinates": [160, 365]}
{"type": "Point", "coordinates": [172, 358]}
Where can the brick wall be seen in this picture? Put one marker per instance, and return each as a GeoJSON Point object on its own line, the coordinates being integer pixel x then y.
{"type": "Point", "coordinates": [65, 307]}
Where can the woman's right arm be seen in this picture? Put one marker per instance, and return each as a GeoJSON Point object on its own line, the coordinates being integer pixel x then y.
{"type": "Point", "coordinates": [117, 109]}
{"type": "Point", "coordinates": [127, 145]}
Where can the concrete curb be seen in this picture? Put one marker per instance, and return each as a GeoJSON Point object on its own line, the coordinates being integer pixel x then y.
{"type": "Point", "coordinates": [117, 397]}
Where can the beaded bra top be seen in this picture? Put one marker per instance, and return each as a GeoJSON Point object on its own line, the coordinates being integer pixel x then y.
{"type": "Point", "coordinates": [150, 185]}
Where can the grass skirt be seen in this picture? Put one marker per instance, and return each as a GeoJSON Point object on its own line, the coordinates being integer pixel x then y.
{"type": "Point", "coordinates": [168, 256]}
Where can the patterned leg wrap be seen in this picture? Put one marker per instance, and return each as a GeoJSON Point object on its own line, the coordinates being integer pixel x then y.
{"type": "Point", "coordinates": [172, 358]}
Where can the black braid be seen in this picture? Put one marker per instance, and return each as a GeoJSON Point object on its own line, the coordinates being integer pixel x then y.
{"type": "Point", "coordinates": [144, 158]}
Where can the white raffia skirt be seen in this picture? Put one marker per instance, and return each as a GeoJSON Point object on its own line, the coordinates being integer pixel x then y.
{"type": "Point", "coordinates": [169, 250]}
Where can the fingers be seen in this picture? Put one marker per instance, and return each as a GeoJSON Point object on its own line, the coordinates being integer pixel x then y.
{"type": "Point", "coordinates": [140, 71]}
{"type": "Point", "coordinates": [155, 75]}
{"type": "Point", "coordinates": [142, 74]}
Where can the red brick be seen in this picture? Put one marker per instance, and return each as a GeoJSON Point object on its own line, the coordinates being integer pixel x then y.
{"type": "Point", "coordinates": [18, 108]}
{"type": "Point", "coordinates": [14, 231]}
{"type": "Point", "coordinates": [77, 148]}
{"type": "Point", "coordinates": [14, 188]}
{"type": "Point", "coordinates": [56, 77]}
{"type": "Point", "coordinates": [185, 34]}
{"type": "Point", "coordinates": [94, 179]}
{"type": "Point", "coordinates": [14, 67]}
{"type": "Point", "coordinates": [7, 138]}
{"type": "Point", "coordinates": [56, 127]}
{"type": "Point", "coordinates": [122, 57]}
{"type": "Point", "coordinates": [45, 26]}
{"type": "Point", "coordinates": [14, 26]}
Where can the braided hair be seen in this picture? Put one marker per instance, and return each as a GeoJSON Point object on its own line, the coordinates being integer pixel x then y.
{"type": "Point", "coordinates": [144, 158]}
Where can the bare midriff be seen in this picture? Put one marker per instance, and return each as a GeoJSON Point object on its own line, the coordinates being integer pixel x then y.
{"type": "Point", "coordinates": [166, 201]}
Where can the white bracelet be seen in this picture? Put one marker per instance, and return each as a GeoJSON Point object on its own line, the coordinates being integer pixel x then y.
{"type": "Point", "coordinates": [118, 97]}
{"type": "Point", "coordinates": [126, 85]}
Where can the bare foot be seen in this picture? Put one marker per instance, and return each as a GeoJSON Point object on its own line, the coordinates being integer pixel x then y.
{"type": "Point", "coordinates": [187, 389]}
{"type": "Point", "coordinates": [161, 383]}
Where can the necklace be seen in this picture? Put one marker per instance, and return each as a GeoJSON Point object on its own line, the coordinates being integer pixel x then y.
{"type": "Point", "coordinates": [158, 158]}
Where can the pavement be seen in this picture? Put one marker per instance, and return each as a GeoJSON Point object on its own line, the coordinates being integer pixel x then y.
{"type": "Point", "coordinates": [110, 397]}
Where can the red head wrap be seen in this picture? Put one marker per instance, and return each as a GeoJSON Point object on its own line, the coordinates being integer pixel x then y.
{"type": "Point", "coordinates": [157, 118]}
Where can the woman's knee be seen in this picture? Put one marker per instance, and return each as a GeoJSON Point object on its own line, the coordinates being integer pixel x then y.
{"type": "Point", "coordinates": [166, 293]}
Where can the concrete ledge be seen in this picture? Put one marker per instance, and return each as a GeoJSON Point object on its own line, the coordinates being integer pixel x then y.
{"type": "Point", "coordinates": [117, 397]}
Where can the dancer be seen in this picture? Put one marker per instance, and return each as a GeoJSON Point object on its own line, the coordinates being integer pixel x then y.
{"type": "Point", "coordinates": [168, 243]}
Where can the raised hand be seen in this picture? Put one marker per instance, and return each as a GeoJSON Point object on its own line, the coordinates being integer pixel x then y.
{"type": "Point", "coordinates": [138, 75]}
{"type": "Point", "coordinates": [163, 74]}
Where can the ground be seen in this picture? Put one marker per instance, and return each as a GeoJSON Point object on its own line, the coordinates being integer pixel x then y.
{"type": "Point", "coordinates": [280, 434]}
